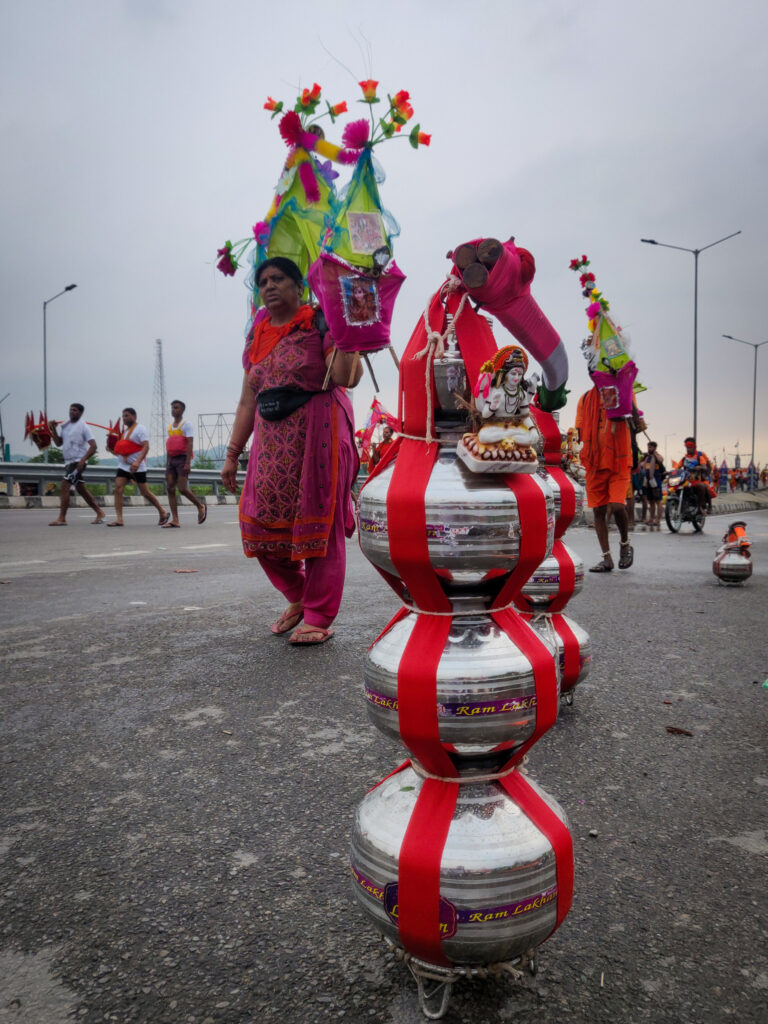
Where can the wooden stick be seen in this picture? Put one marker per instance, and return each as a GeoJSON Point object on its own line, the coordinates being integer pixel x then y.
{"type": "Point", "coordinates": [373, 375]}
{"type": "Point", "coordinates": [394, 356]}
{"type": "Point", "coordinates": [353, 370]}
{"type": "Point", "coordinates": [330, 367]}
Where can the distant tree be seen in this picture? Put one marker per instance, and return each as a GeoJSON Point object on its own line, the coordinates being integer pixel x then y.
{"type": "Point", "coordinates": [203, 462]}
{"type": "Point", "coordinates": [54, 455]}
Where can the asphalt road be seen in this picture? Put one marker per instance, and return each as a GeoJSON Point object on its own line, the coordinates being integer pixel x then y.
{"type": "Point", "coordinates": [178, 788]}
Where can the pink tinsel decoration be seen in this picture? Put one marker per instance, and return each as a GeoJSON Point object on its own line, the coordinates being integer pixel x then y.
{"type": "Point", "coordinates": [355, 134]}
{"type": "Point", "coordinates": [593, 309]}
{"type": "Point", "coordinates": [307, 178]}
{"type": "Point", "coordinates": [290, 128]}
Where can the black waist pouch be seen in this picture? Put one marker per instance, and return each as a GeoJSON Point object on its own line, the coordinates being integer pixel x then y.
{"type": "Point", "coordinates": [277, 403]}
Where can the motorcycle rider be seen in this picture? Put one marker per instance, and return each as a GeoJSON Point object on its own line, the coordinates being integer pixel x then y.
{"type": "Point", "coordinates": [699, 468]}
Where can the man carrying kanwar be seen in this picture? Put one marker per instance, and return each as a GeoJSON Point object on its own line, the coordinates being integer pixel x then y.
{"type": "Point", "coordinates": [699, 469]}
{"type": "Point", "coordinates": [606, 417]}
{"type": "Point", "coordinates": [77, 446]}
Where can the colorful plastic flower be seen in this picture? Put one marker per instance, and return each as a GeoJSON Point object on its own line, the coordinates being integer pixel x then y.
{"type": "Point", "coordinates": [594, 309]}
{"type": "Point", "coordinates": [261, 232]}
{"type": "Point", "coordinates": [419, 138]}
{"type": "Point", "coordinates": [339, 108]}
{"type": "Point", "coordinates": [369, 87]}
{"type": "Point", "coordinates": [273, 104]}
{"type": "Point", "coordinates": [227, 265]}
{"type": "Point", "coordinates": [356, 134]}
{"type": "Point", "coordinates": [402, 110]}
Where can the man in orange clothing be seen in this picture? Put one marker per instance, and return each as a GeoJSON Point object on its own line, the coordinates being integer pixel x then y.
{"type": "Point", "coordinates": [377, 452]}
{"type": "Point", "coordinates": [606, 455]}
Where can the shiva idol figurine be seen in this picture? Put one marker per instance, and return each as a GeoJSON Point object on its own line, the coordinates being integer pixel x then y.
{"type": "Point", "coordinates": [505, 440]}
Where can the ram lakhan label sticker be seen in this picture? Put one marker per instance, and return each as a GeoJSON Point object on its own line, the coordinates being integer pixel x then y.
{"type": "Point", "coordinates": [460, 709]}
{"type": "Point", "coordinates": [452, 916]}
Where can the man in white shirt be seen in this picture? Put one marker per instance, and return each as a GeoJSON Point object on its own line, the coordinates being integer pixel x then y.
{"type": "Point", "coordinates": [77, 445]}
{"type": "Point", "coordinates": [178, 449]}
{"type": "Point", "coordinates": [131, 451]}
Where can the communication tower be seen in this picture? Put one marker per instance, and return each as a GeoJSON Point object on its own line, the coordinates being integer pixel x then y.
{"type": "Point", "coordinates": [160, 413]}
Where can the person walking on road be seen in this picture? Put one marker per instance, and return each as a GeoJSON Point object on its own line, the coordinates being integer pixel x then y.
{"type": "Point", "coordinates": [606, 455]}
{"type": "Point", "coordinates": [131, 451]}
{"type": "Point", "coordinates": [179, 453]}
{"type": "Point", "coordinates": [77, 445]}
{"type": "Point", "coordinates": [652, 468]}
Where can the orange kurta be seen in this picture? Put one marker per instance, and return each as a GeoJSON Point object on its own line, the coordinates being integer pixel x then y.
{"type": "Point", "coordinates": [606, 447]}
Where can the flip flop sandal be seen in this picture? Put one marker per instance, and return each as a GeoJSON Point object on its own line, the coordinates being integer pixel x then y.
{"type": "Point", "coordinates": [287, 622]}
{"type": "Point", "coordinates": [115, 524]}
{"type": "Point", "coordinates": [305, 636]}
{"type": "Point", "coordinates": [627, 556]}
{"type": "Point", "coordinates": [164, 519]}
{"type": "Point", "coordinates": [202, 515]}
{"type": "Point", "coordinates": [169, 526]}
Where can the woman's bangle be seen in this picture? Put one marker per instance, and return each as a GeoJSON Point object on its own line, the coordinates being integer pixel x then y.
{"type": "Point", "coordinates": [234, 451]}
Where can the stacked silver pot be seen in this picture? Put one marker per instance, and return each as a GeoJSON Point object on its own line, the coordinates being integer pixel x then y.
{"type": "Point", "coordinates": [505, 879]}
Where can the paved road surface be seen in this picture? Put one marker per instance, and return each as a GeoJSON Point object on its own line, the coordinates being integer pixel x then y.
{"type": "Point", "coordinates": [178, 787]}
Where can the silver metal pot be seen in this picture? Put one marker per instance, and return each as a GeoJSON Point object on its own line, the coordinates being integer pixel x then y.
{"type": "Point", "coordinates": [473, 525]}
{"type": "Point", "coordinates": [554, 486]}
{"type": "Point", "coordinates": [550, 635]}
{"type": "Point", "coordinates": [544, 583]}
{"type": "Point", "coordinates": [732, 567]}
{"type": "Point", "coordinates": [450, 377]}
{"type": "Point", "coordinates": [498, 880]}
{"type": "Point", "coordinates": [486, 698]}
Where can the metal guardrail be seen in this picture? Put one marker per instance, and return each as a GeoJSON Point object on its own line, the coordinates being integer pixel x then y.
{"type": "Point", "coordinates": [43, 473]}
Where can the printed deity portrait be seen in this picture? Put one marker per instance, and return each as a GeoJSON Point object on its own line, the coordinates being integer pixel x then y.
{"type": "Point", "coordinates": [360, 298]}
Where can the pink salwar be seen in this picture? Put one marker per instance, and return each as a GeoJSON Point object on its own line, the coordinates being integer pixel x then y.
{"type": "Point", "coordinates": [317, 582]}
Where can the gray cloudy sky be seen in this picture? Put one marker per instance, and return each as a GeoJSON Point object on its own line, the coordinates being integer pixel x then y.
{"type": "Point", "coordinates": [135, 143]}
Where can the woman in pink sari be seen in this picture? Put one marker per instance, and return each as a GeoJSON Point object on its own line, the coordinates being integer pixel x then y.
{"type": "Point", "coordinates": [296, 505]}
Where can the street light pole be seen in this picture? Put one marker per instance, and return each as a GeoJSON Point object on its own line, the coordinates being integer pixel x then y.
{"type": "Point", "coordinates": [682, 248]}
{"type": "Point", "coordinates": [2, 435]}
{"type": "Point", "coordinates": [755, 346]}
{"type": "Point", "coordinates": [45, 346]}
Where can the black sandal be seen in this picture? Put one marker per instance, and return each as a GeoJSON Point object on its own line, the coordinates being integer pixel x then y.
{"type": "Point", "coordinates": [601, 566]}
{"type": "Point", "coordinates": [627, 556]}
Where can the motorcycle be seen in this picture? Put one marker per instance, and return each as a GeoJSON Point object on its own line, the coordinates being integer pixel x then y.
{"type": "Point", "coordinates": [682, 505]}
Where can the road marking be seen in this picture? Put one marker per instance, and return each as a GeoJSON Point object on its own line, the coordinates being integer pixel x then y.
{"type": "Point", "coordinates": [200, 547]}
{"type": "Point", "coordinates": [12, 565]}
{"type": "Point", "coordinates": [137, 602]}
{"type": "Point", "coordinates": [192, 608]}
{"type": "Point", "coordinates": [116, 554]}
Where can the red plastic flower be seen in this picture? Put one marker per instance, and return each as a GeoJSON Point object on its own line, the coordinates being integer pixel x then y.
{"type": "Point", "coordinates": [339, 108]}
{"type": "Point", "coordinates": [401, 108]}
{"type": "Point", "coordinates": [273, 105]}
{"type": "Point", "coordinates": [226, 264]}
{"type": "Point", "coordinates": [419, 138]}
{"type": "Point", "coordinates": [369, 87]}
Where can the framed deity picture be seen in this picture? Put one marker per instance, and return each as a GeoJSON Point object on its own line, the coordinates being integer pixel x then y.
{"type": "Point", "coordinates": [613, 346]}
{"type": "Point", "coordinates": [366, 232]}
{"type": "Point", "coordinates": [360, 299]}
